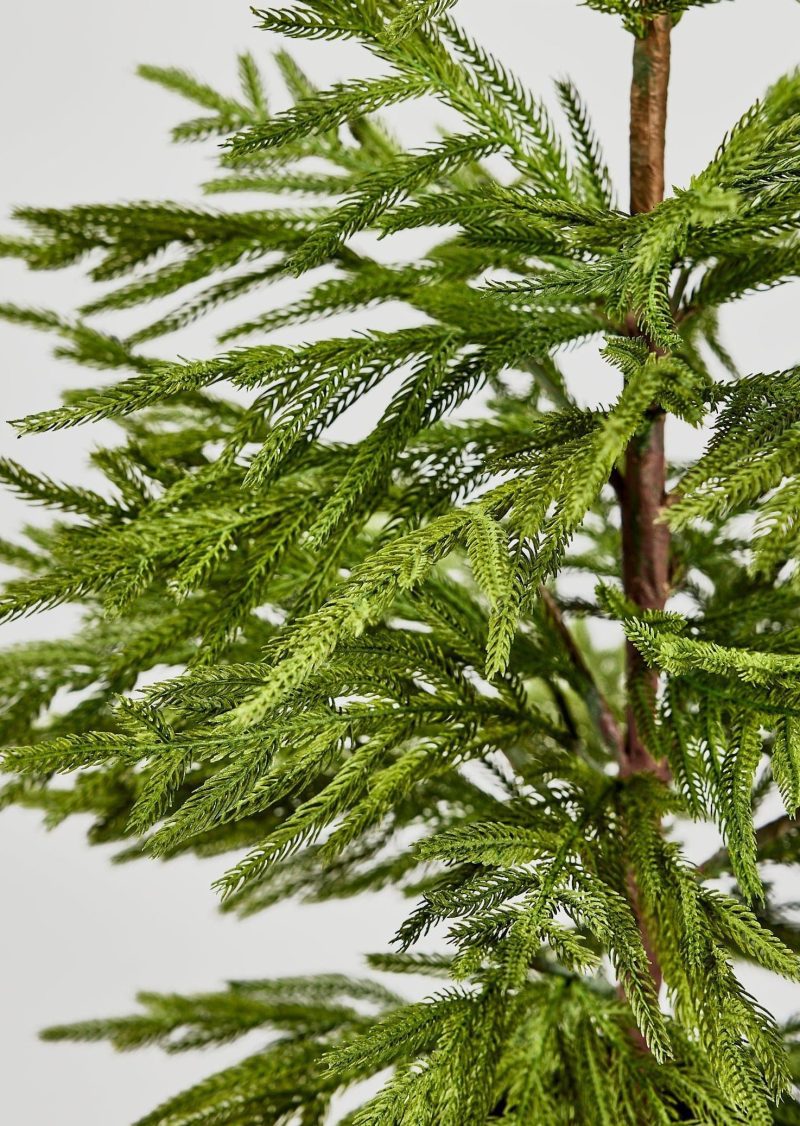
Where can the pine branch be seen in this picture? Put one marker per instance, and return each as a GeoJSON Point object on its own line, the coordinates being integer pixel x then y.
{"type": "Point", "coordinates": [598, 705]}
{"type": "Point", "coordinates": [772, 833]}
{"type": "Point", "coordinates": [341, 666]}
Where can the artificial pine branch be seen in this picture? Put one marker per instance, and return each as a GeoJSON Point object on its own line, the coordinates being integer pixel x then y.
{"type": "Point", "coordinates": [382, 680]}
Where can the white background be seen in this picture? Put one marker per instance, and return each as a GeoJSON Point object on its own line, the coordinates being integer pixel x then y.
{"type": "Point", "coordinates": [79, 937]}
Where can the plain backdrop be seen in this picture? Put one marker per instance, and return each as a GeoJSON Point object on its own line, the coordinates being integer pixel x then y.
{"type": "Point", "coordinates": [79, 937]}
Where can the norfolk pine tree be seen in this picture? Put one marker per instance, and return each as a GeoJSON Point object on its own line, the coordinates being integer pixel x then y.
{"type": "Point", "coordinates": [383, 679]}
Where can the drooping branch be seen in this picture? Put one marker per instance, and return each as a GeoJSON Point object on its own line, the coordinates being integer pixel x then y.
{"type": "Point", "coordinates": [767, 836]}
{"type": "Point", "coordinates": [599, 707]}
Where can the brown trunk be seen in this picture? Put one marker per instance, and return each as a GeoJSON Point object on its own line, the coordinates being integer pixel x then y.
{"type": "Point", "coordinates": [645, 542]}
{"type": "Point", "coordinates": [651, 59]}
{"type": "Point", "coordinates": [645, 568]}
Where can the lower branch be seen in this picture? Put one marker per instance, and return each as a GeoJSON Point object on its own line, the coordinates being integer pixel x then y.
{"type": "Point", "coordinates": [599, 707]}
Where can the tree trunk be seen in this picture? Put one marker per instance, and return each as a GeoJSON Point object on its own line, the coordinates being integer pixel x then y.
{"type": "Point", "coordinates": [645, 542]}
{"type": "Point", "coordinates": [651, 62]}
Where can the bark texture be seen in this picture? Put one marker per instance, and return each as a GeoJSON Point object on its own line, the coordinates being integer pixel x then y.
{"type": "Point", "coordinates": [649, 88]}
{"type": "Point", "coordinates": [645, 541]}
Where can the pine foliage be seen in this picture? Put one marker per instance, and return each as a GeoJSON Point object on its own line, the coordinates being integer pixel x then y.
{"type": "Point", "coordinates": [378, 674]}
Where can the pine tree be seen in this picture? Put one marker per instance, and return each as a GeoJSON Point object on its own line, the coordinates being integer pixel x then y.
{"type": "Point", "coordinates": [383, 679]}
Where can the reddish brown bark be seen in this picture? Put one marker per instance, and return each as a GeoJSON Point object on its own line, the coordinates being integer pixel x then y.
{"type": "Point", "coordinates": [645, 541]}
{"type": "Point", "coordinates": [645, 568]}
{"type": "Point", "coordinates": [648, 123]}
